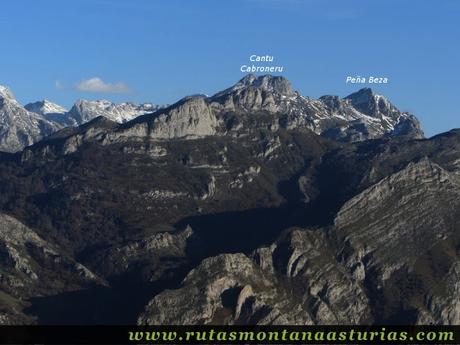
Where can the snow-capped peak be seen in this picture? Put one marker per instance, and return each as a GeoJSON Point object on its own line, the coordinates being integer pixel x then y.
{"type": "Point", "coordinates": [45, 107]}
{"type": "Point", "coordinates": [84, 110]}
{"type": "Point", "coordinates": [6, 93]}
{"type": "Point", "coordinates": [370, 103]}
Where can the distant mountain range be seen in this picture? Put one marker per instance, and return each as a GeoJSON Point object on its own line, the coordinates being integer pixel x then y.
{"type": "Point", "coordinates": [252, 206]}
{"type": "Point", "coordinates": [359, 116]}
{"type": "Point", "coordinates": [22, 126]}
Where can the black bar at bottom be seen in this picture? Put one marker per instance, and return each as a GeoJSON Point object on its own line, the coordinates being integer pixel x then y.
{"type": "Point", "coordinates": [230, 334]}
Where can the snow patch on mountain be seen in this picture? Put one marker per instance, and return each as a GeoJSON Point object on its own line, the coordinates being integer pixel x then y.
{"type": "Point", "coordinates": [84, 111]}
{"type": "Point", "coordinates": [45, 107]}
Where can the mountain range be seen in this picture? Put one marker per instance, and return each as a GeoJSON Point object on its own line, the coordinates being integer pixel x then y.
{"type": "Point", "coordinates": [22, 126]}
{"type": "Point", "coordinates": [256, 205]}
{"type": "Point", "coordinates": [359, 116]}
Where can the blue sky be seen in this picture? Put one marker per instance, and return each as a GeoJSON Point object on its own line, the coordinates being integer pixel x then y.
{"type": "Point", "coordinates": [160, 51]}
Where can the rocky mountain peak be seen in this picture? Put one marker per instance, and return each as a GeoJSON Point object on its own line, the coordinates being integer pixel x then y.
{"type": "Point", "coordinates": [5, 93]}
{"type": "Point", "coordinates": [247, 80]}
{"type": "Point", "coordinates": [45, 107]}
{"type": "Point", "coordinates": [256, 93]}
{"type": "Point", "coordinates": [18, 126]}
{"type": "Point", "coordinates": [361, 95]}
{"type": "Point", "coordinates": [268, 83]}
{"type": "Point", "coordinates": [370, 103]}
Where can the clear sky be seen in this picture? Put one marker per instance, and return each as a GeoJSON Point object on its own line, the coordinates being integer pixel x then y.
{"type": "Point", "coordinates": [160, 51]}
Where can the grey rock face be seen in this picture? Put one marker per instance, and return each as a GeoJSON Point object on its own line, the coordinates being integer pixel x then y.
{"type": "Point", "coordinates": [224, 295]}
{"type": "Point", "coordinates": [21, 247]}
{"type": "Point", "coordinates": [294, 281]}
{"type": "Point", "coordinates": [390, 254]}
{"type": "Point", "coordinates": [30, 264]}
{"type": "Point", "coordinates": [190, 118]}
{"type": "Point", "coordinates": [443, 307]}
{"type": "Point", "coordinates": [387, 232]}
{"type": "Point", "coordinates": [19, 127]}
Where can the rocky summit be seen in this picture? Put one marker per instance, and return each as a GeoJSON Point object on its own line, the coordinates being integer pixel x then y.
{"type": "Point", "coordinates": [19, 127]}
{"type": "Point", "coordinates": [256, 205]}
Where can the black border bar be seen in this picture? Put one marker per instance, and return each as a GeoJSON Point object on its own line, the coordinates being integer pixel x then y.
{"type": "Point", "coordinates": [209, 334]}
